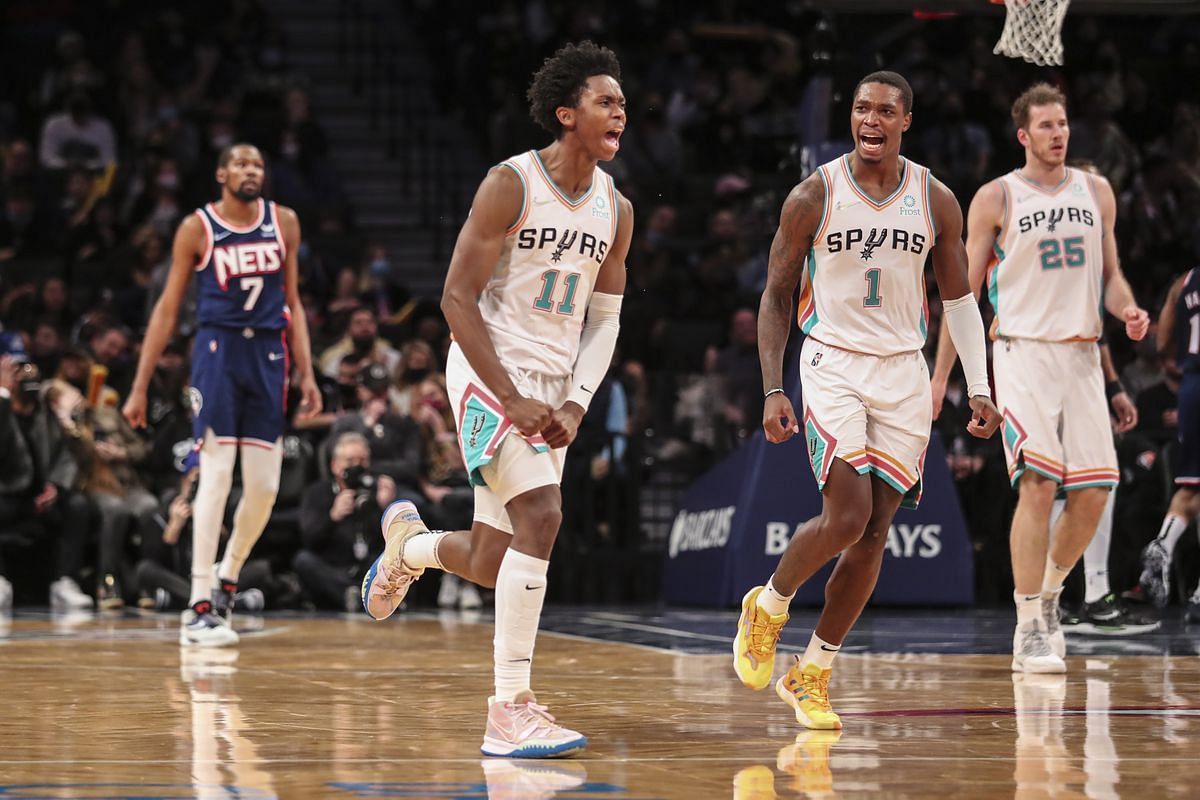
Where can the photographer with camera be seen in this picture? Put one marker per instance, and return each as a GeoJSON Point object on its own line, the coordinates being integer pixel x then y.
{"type": "Point", "coordinates": [395, 441]}
{"type": "Point", "coordinates": [339, 523]}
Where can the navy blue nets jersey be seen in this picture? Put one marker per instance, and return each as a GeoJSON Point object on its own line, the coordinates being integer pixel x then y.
{"type": "Point", "coordinates": [241, 274]}
{"type": "Point", "coordinates": [1187, 323]}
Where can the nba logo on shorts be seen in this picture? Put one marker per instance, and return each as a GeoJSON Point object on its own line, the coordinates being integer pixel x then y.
{"type": "Point", "coordinates": [817, 359]}
{"type": "Point", "coordinates": [195, 400]}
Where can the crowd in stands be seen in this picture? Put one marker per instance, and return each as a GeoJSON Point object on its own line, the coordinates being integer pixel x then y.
{"type": "Point", "coordinates": [109, 141]}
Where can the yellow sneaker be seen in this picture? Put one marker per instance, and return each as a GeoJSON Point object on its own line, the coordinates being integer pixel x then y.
{"type": "Point", "coordinates": [754, 783]}
{"type": "Point", "coordinates": [754, 645]}
{"type": "Point", "coordinates": [807, 691]}
{"type": "Point", "coordinates": [807, 761]}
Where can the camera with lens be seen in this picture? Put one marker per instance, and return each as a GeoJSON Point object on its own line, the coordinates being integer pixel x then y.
{"type": "Point", "coordinates": [358, 480]}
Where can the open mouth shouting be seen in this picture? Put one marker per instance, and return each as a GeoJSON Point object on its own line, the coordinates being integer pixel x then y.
{"type": "Point", "coordinates": [612, 138]}
{"type": "Point", "coordinates": [871, 144]}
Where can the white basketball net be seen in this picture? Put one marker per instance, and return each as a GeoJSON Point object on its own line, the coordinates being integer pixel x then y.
{"type": "Point", "coordinates": [1032, 31]}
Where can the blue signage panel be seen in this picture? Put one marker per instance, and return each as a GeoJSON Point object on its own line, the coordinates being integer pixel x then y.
{"type": "Point", "coordinates": [736, 520]}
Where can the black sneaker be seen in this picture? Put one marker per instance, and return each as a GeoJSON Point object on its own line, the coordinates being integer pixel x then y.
{"type": "Point", "coordinates": [1069, 617]}
{"type": "Point", "coordinates": [1107, 617]}
{"type": "Point", "coordinates": [1191, 615]}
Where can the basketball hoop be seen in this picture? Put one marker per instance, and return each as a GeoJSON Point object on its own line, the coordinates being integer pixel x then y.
{"type": "Point", "coordinates": [1032, 30]}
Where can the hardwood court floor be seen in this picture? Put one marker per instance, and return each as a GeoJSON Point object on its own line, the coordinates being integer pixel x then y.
{"type": "Point", "coordinates": [340, 707]}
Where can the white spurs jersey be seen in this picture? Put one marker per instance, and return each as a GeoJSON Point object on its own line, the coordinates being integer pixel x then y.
{"type": "Point", "coordinates": [1046, 280]}
{"type": "Point", "coordinates": [863, 288]}
{"type": "Point", "coordinates": [535, 302]}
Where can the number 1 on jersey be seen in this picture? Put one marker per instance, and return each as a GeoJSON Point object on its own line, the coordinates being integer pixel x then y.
{"type": "Point", "coordinates": [873, 298]}
{"type": "Point", "coordinates": [549, 281]}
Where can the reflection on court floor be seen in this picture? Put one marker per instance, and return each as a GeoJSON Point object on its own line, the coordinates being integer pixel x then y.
{"type": "Point", "coordinates": [340, 707]}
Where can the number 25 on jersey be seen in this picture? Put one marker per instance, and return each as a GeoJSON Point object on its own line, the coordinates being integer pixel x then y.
{"type": "Point", "coordinates": [1055, 252]}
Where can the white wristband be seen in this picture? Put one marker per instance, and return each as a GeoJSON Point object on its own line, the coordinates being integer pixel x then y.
{"type": "Point", "coordinates": [962, 320]}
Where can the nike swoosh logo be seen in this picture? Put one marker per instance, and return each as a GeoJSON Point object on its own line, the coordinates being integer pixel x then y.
{"type": "Point", "coordinates": [584, 388]}
{"type": "Point", "coordinates": [274, 356]}
{"type": "Point", "coordinates": [828, 649]}
{"type": "Point", "coordinates": [542, 202]}
{"type": "Point", "coordinates": [521, 661]}
{"type": "Point", "coordinates": [219, 236]}
{"type": "Point", "coordinates": [529, 588]}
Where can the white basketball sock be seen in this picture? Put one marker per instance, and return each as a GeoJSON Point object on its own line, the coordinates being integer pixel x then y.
{"type": "Point", "coordinates": [520, 591]}
{"type": "Point", "coordinates": [421, 550]}
{"type": "Point", "coordinates": [260, 485]}
{"type": "Point", "coordinates": [820, 652]}
{"type": "Point", "coordinates": [773, 601]}
{"type": "Point", "coordinates": [1095, 557]}
{"type": "Point", "coordinates": [1053, 577]}
{"type": "Point", "coordinates": [1172, 528]}
{"type": "Point", "coordinates": [1029, 607]}
{"type": "Point", "coordinates": [208, 511]}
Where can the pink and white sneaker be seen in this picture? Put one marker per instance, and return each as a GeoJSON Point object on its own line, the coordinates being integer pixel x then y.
{"type": "Point", "coordinates": [388, 580]}
{"type": "Point", "coordinates": [515, 779]}
{"type": "Point", "coordinates": [524, 729]}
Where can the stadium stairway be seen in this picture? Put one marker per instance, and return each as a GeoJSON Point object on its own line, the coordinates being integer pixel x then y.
{"type": "Point", "coordinates": [402, 167]}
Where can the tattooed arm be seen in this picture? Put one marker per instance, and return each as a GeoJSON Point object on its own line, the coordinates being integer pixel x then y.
{"type": "Point", "coordinates": [798, 223]}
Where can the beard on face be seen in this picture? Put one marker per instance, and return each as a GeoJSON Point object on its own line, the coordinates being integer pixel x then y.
{"type": "Point", "coordinates": [245, 194]}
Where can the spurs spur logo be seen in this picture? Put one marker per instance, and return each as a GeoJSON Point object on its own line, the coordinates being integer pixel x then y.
{"type": "Point", "coordinates": [476, 429]}
{"type": "Point", "coordinates": [876, 238]}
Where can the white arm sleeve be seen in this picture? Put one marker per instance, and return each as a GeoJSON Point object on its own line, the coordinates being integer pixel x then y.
{"type": "Point", "coordinates": [961, 317]}
{"type": "Point", "coordinates": [596, 346]}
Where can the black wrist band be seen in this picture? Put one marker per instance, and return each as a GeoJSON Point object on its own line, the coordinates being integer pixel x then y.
{"type": "Point", "coordinates": [1113, 388]}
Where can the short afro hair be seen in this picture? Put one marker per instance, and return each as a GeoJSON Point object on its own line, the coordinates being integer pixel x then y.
{"type": "Point", "coordinates": [562, 79]}
{"type": "Point", "coordinates": [893, 79]}
{"type": "Point", "coordinates": [226, 154]}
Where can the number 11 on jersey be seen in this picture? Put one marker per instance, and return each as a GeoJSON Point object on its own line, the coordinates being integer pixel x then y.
{"type": "Point", "coordinates": [549, 281]}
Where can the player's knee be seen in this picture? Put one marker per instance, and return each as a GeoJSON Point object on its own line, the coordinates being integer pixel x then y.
{"type": "Point", "coordinates": [1091, 500]}
{"type": "Point", "coordinates": [845, 525]}
{"type": "Point", "coordinates": [874, 538]}
{"type": "Point", "coordinates": [1037, 490]}
{"type": "Point", "coordinates": [261, 484]}
{"type": "Point", "coordinates": [216, 470]}
{"type": "Point", "coordinates": [537, 514]}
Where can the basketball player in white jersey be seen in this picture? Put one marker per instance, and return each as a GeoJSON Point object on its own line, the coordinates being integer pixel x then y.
{"type": "Point", "coordinates": [856, 235]}
{"type": "Point", "coordinates": [533, 297]}
{"type": "Point", "coordinates": [1043, 234]}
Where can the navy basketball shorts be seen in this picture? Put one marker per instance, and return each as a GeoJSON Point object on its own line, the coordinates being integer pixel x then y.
{"type": "Point", "coordinates": [239, 384]}
{"type": "Point", "coordinates": [1187, 464]}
